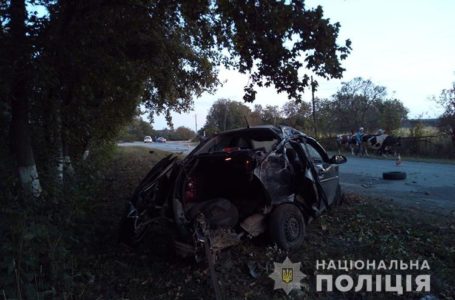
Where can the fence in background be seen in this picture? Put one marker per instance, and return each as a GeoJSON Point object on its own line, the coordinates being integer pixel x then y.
{"type": "Point", "coordinates": [434, 146]}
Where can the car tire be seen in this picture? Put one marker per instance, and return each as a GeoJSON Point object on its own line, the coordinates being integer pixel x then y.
{"type": "Point", "coordinates": [287, 226]}
{"type": "Point", "coordinates": [394, 175]}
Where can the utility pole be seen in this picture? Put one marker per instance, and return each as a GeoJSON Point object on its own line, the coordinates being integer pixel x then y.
{"type": "Point", "coordinates": [313, 85]}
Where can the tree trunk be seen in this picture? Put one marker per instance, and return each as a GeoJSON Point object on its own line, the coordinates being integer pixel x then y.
{"type": "Point", "coordinates": [453, 135]}
{"type": "Point", "coordinates": [19, 131]}
{"type": "Point", "coordinates": [60, 161]}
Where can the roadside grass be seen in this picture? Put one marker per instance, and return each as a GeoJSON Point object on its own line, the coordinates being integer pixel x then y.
{"type": "Point", "coordinates": [139, 153]}
{"type": "Point", "coordinates": [360, 229]}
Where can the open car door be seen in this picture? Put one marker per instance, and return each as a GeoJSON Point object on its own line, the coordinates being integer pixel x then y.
{"type": "Point", "coordinates": [148, 197]}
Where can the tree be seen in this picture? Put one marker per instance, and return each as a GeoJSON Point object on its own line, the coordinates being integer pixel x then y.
{"type": "Point", "coordinates": [87, 64]}
{"type": "Point", "coordinates": [326, 117]}
{"type": "Point", "coordinates": [297, 114]}
{"type": "Point", "coordinates": [354, 104]}
{"type": "Point", "coordinates": [447, 119]}
{"type": "Point", "coordinates": [136, 130]}
{"type": "Point", "coordinates": [255, 116]}
{"type": "Point", "coordinates": [392, 112]}
{"type": "Point", "coordinates": [271, 115]}
{"type": "Point", "coordinates": [19, 54]}
{"type": "Point", "coordinates": [361, 103]}
{"type": "Point", "coordinates": [226, 114]}
{"type": "Point", "coordinates": [184, 133]}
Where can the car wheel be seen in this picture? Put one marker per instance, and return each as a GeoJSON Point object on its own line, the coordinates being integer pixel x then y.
{"type": "Point", "coordinates": [394, 175]}
{"type": "Point", "coordinates": [287, 226]}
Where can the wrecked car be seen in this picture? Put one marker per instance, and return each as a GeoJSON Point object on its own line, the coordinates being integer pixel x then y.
{"type": "Point", "coordinates": [239, 183]}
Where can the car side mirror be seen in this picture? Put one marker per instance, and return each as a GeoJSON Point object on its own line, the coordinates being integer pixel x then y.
{"type": "Point", "coordinates": [338, 159]}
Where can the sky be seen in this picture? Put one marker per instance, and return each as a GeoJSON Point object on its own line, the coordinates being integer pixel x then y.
{"type": "Point", "coordinates": [408, 46]}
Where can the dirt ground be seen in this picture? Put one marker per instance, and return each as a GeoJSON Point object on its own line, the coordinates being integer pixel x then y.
{"type": "Point", "coordinates": [362, 228]}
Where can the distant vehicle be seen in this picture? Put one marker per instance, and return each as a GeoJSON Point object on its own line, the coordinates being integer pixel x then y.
{"type": "Point", "coordinates": [148, 139]}
{"type": "Point", "coordinates": [161, 140]}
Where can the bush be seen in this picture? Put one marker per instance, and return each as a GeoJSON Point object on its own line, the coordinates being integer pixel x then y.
{"type": "Point", "coordinates": [136, 130]}
{"type": "Point", "coordinates": [41, 236]}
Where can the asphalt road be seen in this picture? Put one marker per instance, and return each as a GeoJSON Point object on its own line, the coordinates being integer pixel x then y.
{"type": "Point", "coordinates": [428, 186]}
{"type": "Point", "coordinates": [176, 147]}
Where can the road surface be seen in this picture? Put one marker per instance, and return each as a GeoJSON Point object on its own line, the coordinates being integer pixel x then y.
{"type": "Point", "coordinates": [428, 186]}
{"type": "Point", "coordinates": [176, 147]}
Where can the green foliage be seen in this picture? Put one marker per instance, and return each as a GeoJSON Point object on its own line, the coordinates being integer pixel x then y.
{"type": "Point", "coordinates": [417, 129]}
{"type": "Point", "coordinates": [180, 134]}
{"type": "Point", "coordinates": [89, 64]}
{"type": "Point", "coordinates": [392, 112]}
{"type": "Point", "coordinates": [357, 103]}
{"type": "Point", "coordinates": [268, 37]}
{"type": "Point", "coordinates": [265, 39]}
{"type": "Point", "coordinates": [297, 115]}
{"type": "Point", "coordinates": [271, 114]}
{"type": "Point", "coordinates": [361, 103]}
{"type": "Point", "coordinates": [226, 114]}
{"type": "Point", "coordinates": [184, 133]}
{"type": "Point", "coordinates": [447, 100]}
{"type": "Point", "coordinates": [354, 104]}
{"type": "Point", "coordinates": [40, 237]}
{"type": "Point", "coordinates": [34, 251]}
{"type": "Point", "coordinates": [136, 130]}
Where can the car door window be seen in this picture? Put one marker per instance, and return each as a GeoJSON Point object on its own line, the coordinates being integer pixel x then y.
{"type": "Point", "coordinates": [314, 154]}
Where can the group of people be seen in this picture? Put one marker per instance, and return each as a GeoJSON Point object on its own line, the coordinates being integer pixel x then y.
{"type": "Point", "coordinates": [360, 142]}
{"type": "Point", "coordinates": [358, 138]}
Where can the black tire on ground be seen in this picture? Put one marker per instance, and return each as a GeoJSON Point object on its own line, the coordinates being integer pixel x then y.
{"type": "Point", "coordinates": [287, 226]}
{"type": "Point", "coordinates": [394, 175]}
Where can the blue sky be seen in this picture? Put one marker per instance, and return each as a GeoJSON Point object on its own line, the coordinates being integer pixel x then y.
{"type": "Point", "coordinates": [406, 46]}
